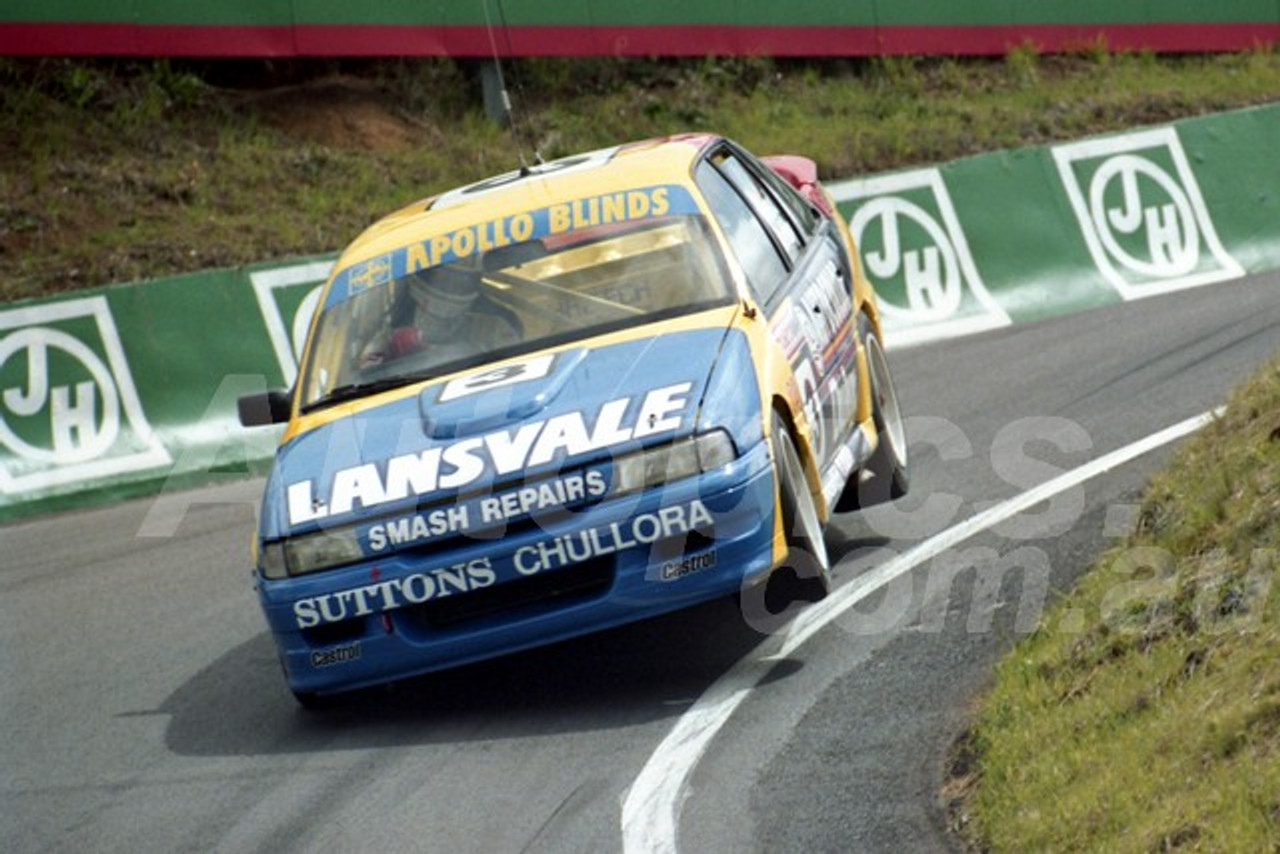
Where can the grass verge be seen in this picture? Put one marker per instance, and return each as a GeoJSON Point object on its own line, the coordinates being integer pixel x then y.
{"type": "Point", "coordinates": [1145, 714]}
{"type": "Point", "coordinates": [122, 170]}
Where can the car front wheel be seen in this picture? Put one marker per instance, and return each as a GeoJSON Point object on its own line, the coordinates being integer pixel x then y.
{"type": "Point", "coordinates": [804, 575]}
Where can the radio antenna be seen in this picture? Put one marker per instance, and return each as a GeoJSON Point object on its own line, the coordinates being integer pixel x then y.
{"type": "Point", "coordinates": [512, 121]}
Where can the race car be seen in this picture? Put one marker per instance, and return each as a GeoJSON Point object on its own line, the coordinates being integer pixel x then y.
{"type": "Point", "coordinates": [570, 397]}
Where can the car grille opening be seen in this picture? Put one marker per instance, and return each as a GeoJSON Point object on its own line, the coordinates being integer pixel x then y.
{"type": "Point", "coordinates": [329, 634]}
{"type": "Point", "coordinates": [554, 588]}
{"type": "Point", "coordinates": [696, 541]}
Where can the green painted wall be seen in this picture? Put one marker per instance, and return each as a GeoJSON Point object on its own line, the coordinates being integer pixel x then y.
{"type": "Point", "coordinates": [274, 28]}
{"type": "Point", "coordinates": [1028, 233]}
{"type": "Point", "coordinates": [131, 389]}
{"type": "Point", "coordinates": [651, 13]}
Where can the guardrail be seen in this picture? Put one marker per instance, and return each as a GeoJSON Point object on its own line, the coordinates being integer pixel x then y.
{"type": "Point", "coordinates": [132, 389]}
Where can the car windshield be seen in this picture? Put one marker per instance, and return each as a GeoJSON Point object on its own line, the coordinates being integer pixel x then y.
{"type": "Point", "coordinates": [383, 327]}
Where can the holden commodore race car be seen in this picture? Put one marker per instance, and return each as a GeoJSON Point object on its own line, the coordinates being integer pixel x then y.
{"type": "Point", "coordinates": [567, 398]}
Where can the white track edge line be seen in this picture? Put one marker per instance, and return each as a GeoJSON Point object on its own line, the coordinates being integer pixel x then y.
{"type": "Point", "coordinates": [651, 807]}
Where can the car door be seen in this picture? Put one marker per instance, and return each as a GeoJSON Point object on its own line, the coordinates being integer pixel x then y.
{"type": "Point", "coordinates": [800, 275]}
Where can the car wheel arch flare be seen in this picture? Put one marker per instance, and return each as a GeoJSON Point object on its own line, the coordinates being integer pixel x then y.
{"type": "Point", "coordinates": [784, 413]}
{"type": "Point", "coordinates": [778, 393]}
{"type": "Point", "coordinates": [867, 324]}
{"type": "Point", "coordinates": [864, 370]}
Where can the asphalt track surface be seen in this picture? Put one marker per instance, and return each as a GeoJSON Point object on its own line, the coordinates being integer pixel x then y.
{"type": "Point", "coordinates": [143, 709]}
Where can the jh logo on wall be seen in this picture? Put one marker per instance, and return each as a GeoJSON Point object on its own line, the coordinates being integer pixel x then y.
{"type": "Point", "coordinates": [1142, 214]}
{"type": "Point", "coordinates": [69, 410]}
{"type": "Point", "coordinates": [288, 297]}
{"type": "Point", "coordinates": [916, 256]}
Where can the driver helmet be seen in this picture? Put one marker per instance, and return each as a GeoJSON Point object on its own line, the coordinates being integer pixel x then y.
{"type": "Point", "coordinates": [445, 292]}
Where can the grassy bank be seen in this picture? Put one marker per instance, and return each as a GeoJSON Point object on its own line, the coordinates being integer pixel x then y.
{"type": "Point", "coordinates": [1145, 714]}
{"type": "Point", "coordinates": [116, 171]}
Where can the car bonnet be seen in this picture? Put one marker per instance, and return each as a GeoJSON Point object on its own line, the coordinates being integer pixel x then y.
{"type": "Point", "coordinates": [499, 424]}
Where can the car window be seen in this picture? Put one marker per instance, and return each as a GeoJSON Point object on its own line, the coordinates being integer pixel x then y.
{"type": "Point", "coordinates": [805, 214]}
{"type": "Point", "coordinates": [764, 267]}
{"type": "Point", "coordinates": [514, 285]}
{"type": "Point", "coordinates": [764, 204]}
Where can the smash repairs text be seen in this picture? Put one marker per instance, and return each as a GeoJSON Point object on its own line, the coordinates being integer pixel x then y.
{"type": "Point", "coordinates": [485, 511]}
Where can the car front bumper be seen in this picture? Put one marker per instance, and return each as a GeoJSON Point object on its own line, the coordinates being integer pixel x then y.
{"type": "Point", "coordinates": [623, 559]}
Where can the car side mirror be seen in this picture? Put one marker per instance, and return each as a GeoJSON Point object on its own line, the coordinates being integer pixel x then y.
{"type": "Point", "coordinates": [263, 408]}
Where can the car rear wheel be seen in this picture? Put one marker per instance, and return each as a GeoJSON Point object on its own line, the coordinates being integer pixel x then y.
{"type": "Point", "coordinates": [884, 477]}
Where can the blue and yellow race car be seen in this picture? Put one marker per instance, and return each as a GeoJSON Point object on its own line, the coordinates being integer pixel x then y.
{"type": "Point", "coordinates": [567, 398]}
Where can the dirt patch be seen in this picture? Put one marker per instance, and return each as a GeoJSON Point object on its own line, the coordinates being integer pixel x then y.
{"type": "Point", "coordinates": [340, 112]}
{"type": "Point", "coordinates": [960, 788]}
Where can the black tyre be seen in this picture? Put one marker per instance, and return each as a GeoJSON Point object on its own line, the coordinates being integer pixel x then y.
{"type": "Point", "coordinates": [886, 476]}
{"type": "Point", "coordinates": [805, 573]}
{"type": "Point", "coordinates": [312, 701]}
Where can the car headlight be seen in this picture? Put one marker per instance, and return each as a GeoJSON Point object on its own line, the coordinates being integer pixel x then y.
{"type": "Point", "coordinates": [271, 561]}
{"type": "Point", "coordinates": [678, 460]}
{"type": "Point", "coordinates": [310, 553]}
{"type": "Point", "coordinates": [322, 550]}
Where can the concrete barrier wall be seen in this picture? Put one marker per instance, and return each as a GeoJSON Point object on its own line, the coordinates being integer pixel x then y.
{"type": "Point", "coordinates": [1019, 235]}
{"type": "Point", "coordinates": [604, 28]}
{"type": "Point", "coordinates": [131, 389]}
{"type": "Point", "coordinates": [124, 390]}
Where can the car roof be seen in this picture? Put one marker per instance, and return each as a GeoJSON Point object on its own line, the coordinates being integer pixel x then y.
{"type": "Point", "coordinates": [665, 160]}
